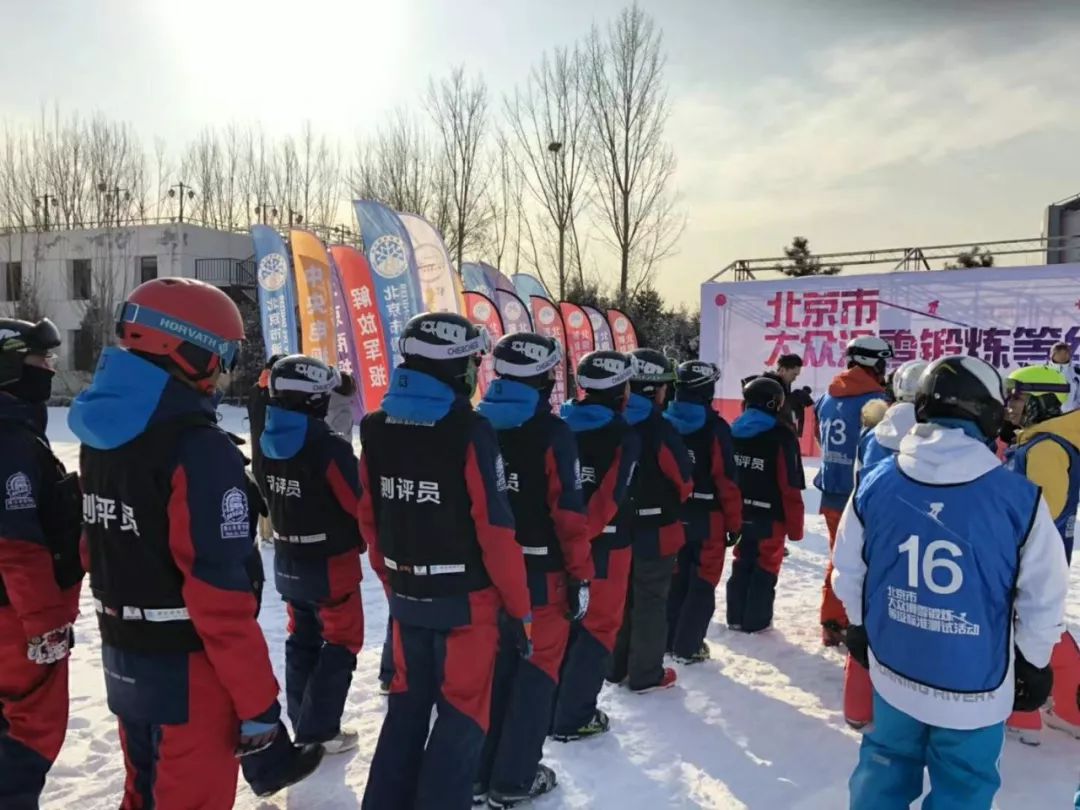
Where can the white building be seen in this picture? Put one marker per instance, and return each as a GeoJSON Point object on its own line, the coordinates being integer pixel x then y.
{"type": "Point", "coordinates": [64, 273]}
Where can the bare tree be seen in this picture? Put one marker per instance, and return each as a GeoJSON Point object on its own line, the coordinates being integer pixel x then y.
{"type": "Point", "coordinates": [632, 165]}
{"type": "Point", "coordinates": [505, 207]}
{"type": "Point", "coordinates": [459, 109]}
{"type": "Point", "coordinates": [548, 118]}
{"type": "Point", "coordinates": [395, 166]}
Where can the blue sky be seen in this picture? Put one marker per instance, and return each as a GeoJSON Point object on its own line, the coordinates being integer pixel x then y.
{"type": "Point", "coordinates": [858, 123]}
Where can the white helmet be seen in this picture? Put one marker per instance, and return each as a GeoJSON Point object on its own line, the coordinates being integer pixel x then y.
{"type": "Point", "coordinates": [905, 380]}
{"type": "Point", "coordinates": [869, 351]}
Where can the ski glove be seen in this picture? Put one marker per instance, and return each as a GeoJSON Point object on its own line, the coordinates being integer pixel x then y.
{"type": "Point", "coordinates": [858, 645]}
{"type": "Point", "coordinates": [520, 631]}
{"type": "Point", "coordinates": [577, 595]}
{"type": "Point", "coordinates": [51, 647]}
{"type": "Point", "coordinates": [1033, 684]}
{"type": "Point", "coordinates": [259, 733]}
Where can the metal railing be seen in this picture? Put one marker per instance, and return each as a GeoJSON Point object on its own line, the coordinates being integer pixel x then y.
{"type": "Point", "coordinates": [226, 272]}
{"type": "Point", "coordinates": [906, 259]}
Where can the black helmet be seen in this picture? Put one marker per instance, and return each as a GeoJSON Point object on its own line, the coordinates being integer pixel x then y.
{"type": "Point", "coordinates": [603, 377]}
{"type": "Point", "coordinates": [696, 380]}
{"type": "Point", "coordinates": [302, 383]}
{"type": "Point", "coordinates": [20, 338]}
{"type": "Point", "coordinates": [962, 387]}
{"type": "Point", "coordinates": [528, 358]}
{"type": "Point", "coordinates": [764, 394]}
{"type": "Point", "coordinates": [651, 370]}
{"type": "Point", "coordinates": [444, 345]}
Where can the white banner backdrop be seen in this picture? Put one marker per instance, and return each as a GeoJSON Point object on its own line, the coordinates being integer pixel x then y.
{"type": "Point", "coordinates": [1009, 317]}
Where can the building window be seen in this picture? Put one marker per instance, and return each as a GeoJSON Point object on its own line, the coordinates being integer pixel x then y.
{"type": "Point", "coordinates": [81, 280]}
{"type": "Point", "coordinates": [81, 345]}
{"type": "Point", "coordinates": [147, 268]}
{"type": "Point", "coordinates": [12, 281]}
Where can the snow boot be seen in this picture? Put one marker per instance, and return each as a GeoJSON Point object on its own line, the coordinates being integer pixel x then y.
{"type": "Point", "coordinates": [346, 740]}
{"type": "Point", "coordinates": [598, 725]}
{"type": "Point", "coordinates": [479, 794]}
{"type": "Point", "coordinates": [701, 655]}
{"type": "Point", "coordinates": [384, 688]}
{"type": "Point", "coordinates": [667, 680]}
{"type": "Point", "coordinates": [301, 765]}
{"type": "Point", "coordinates": [543, 782]}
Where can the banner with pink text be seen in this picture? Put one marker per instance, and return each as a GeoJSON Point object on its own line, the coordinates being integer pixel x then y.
{"type": "Point", "coordinates": [1009, 317]}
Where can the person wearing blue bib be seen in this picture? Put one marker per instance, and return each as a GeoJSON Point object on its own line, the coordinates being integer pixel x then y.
{"type": "Point", "coordinates": [839, 423]}
{"type": "Point", "coordinates": [954, 578]}
{"type": "Point", "coordinates": [1046, 448]}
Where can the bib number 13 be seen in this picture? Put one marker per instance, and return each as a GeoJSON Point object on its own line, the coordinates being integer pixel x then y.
{"type": "Point", "coordinates": [938, 556]}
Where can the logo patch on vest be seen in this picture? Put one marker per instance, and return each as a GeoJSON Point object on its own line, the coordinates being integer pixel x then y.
{"type": "Point", "coordinates": [20, 495]}
{"type": "Point", "coordinates": [235, 519]}
{"type": "Point", "coordinates": [500, 474]}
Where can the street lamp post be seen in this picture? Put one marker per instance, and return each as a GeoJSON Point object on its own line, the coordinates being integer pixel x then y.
{"type": "Point", "coordinates": [43, 203]}
{"type": "Point", "coordinates": [114, 192]}
{"type": "Point", "coordinates": [555, 147]}
{"type": "Point", "coordinates": [184, 191]}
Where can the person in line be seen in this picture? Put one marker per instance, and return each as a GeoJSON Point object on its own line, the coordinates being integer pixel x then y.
{"type": "Point", "coordinates": [770, 479]}
{"type": "Point", "coordinates": [712, 514]}
{"type": "Point", "coordinates": [1045, 447]}
{"type": "Point", "coordinates": [664, 482]}
{"type": "Point", "coordinates": [440, 533]}
{"type": "Point", "coordinates": [543, 482]}
{"type": "Point", "coordinates": [954, 578]}
{"type": "Point", "coordinates": [257, 401]}
{"type": "Point", "coordinates": [609, 451]}
{"type": "Point", "coordinates": [167, 534]}
{"type": "Point", "coordinates": [882, 440]}
{"type": "Point", "coordinates": [1061, 360]}
{"type": "Point", "coordinates": [838, 415]}
{"type": "Point", "coordinates": [40, 571]}
{"type": "Point", "coordinates": [309, 476]}
{"type": "Point", "coordinates": [339, 413]}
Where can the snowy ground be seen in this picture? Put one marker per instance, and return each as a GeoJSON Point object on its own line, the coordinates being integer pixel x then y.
{"type": "Point", "coordinates": [759, 726]}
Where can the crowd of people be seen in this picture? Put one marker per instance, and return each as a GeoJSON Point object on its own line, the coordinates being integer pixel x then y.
{"type": "Point", "coordinates": [526, 557]}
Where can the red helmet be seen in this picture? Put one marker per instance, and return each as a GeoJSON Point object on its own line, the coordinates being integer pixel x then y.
{"type": "Point", "coordinates": [193, 324]}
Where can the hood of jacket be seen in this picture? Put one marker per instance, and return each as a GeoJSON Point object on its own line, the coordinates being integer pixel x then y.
{"type": "Point", "coordinates": [638, 409]}
{"type": "Point", "coordinates": [418, 397]}
{"type": "Point", "coordinates": [896, 424]}
{"type": "Point", "coordinates": [753, 423]}
{"type": "Point", "coordinates": [582, 418]}
{"type": "Point", "coordinates": [1066, 427]}
{"type": "Point", "coordinates": [938, 454]}
{"type": "Point", "coordinates": [687, 417]}
{"type": "Point", "coordinates": [509, 404]}
{"type": "Point", "coordinates": [127, 396]}
{"type": "Point", "coordinates": [854, 382]}
{"type": "Point", "coordinates": [285, 432]}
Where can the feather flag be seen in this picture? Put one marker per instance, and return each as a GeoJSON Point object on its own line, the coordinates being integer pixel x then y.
{"type": "Point", "coordinates": [514, 313]}
{"type": "Point", "coordinates": [482, 310]}
{"type": "Point", "coordinates": [314, 292]}
{"type": "Point", "coordinates": [547, 321]}
{"type": "Point", "coordinates": [601, 329]}
{"type": "Point", "coordinates": [277, 300]}
{"type": "Point", "coordinates": [373, 371]}
{"type": "Point", "coordinates": [433, 265]}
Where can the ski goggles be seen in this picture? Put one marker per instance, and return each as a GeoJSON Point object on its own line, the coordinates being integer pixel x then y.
{"type": "Point", "coordinates": [504, 368]}
{"type": "Point", "coordinates": [1016, 388]}
{"type": "Point", "coordinates": [227, 350]}
{"type": "Point", "coordinates": [417, 347]}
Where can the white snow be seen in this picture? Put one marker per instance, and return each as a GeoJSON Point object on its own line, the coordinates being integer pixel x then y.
{"type": "Point", "coordinates": [758, 726]}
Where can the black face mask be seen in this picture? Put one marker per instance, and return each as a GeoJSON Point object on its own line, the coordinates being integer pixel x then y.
{"type": "Point", "coordinates": [35, 385]}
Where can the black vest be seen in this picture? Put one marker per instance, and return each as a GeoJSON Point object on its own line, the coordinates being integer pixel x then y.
{"type": "Point", "coordinates": [656, 498]}
{"type": "Point", "coordinates": [308, 521]}
{"type": "Point", "coordinates": [524, 451]}
{"type": "Point", "coordinates": [422, 505]}
{"type": "Point", "coordinates": [135, 582]}
{"type": "Point", "coordinates": [757, 475]}
{"type": "Point", "coordinates": [59, 508]}
{"type": "Point", "coordinates": [699, 445]}
{"type": "Point", "coordinates": [596, 450]}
